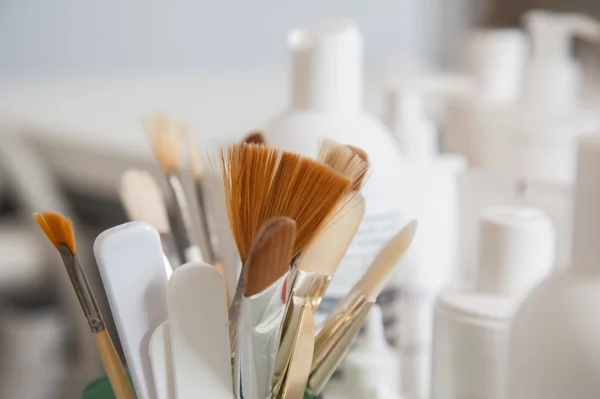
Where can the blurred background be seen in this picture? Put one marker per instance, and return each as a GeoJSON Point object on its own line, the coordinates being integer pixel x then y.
{"type": "Point", "coordinates": [76, 78]}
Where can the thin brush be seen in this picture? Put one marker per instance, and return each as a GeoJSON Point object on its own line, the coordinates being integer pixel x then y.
{"type": "Point", "coordinates": [209, 242]}
{"type": "Point", "coordinates": [255, 137]}
{"type": "Point", "coordinates": [268, 261]}
{"type": "Point", "coordinates": [164, 137]}
{"type": "Point", "coordinates": [341, 327]}
{"type": "Point", "coordinates": [59, 231]}
{"type": "Point", "coordinates": [143, 201]}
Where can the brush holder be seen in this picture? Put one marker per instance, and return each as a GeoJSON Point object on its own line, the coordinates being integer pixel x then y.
{"type": "Point", "coordinates": [100, 389]}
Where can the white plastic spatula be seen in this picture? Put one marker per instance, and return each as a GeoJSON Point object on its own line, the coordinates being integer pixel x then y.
{"type": "Point", "coordinates": [199, 330]}
{"type": "Point", "coordinates": [131, 263]}
{"type": "Point", "coordinates": [160, 358]}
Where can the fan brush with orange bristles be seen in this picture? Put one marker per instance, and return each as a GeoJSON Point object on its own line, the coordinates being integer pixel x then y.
{"type": "Point", "coordinates": [164, 135]}
{"type": "Point", "coordinates": [59, 231]}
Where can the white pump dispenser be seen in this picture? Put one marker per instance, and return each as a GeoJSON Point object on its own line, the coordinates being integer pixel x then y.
{"type": "Point", "coordinates": [326, 102]}
{"type": "Point", "coordinates": [552, 79]}
{"type": "Point", "coordinates": [372, 367]}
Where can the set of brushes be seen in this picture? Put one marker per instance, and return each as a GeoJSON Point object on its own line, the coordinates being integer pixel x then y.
{"type": "Point", "coordinates": [292, 218]}
{"type": "Point", "coordinates": [59, 232]}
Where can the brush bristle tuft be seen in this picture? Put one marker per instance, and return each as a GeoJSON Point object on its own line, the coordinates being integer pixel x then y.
{"type": "Point", "coordinates": [143, 199]}
{"type": "Point", "coordinates": [270, 255]}
{"type": "Point", "coordinates": [193, 156]}
{"type": "Point", "coordinates": [57, 228]}
{"type": "Point", "coordinates": [263, 182]}
{"type": "Point", "coordinates": [255, 137]}
{"type": "Point", "coordinates": [359, 180]}
{"type": "Point", "coordinates": [164, 135]}
{"type": "Point", "coordinates": [345, 160]}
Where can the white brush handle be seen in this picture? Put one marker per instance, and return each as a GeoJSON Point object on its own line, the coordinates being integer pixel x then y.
{"type": "Point", "coordinates": [132, 267]}
{"type": "Point", "coordinates": [199, 333]}
{"type": "Point", "coordinates": [160, 358]}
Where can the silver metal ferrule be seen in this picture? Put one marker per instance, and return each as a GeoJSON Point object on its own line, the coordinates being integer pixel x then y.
{"type": "Point", "coordinates": [180, 215]}
{"type": "Point", "coordinates": [82, 289]}
{"type": "Point", "coordinates": [336, 337]}
{"type": "Point", "coordinates": [304, 289]}
{"type": "Point", "coordinates": [208, 239]}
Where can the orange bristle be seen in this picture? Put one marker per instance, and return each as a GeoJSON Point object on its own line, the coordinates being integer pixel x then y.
{"type": "Point", "coordinates": [345, 160]}
{"type": "Point", "coordinates": [262, 183]}
{"type": "Point", "coordinates": [57, 228]}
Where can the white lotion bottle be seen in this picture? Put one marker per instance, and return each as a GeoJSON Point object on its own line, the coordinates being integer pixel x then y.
{"type": "Point", "coordinates": [472, 326]}
{"type": "Point", "coordinates": [554, 346]}
{"type": "Point", "coordinates": [372, 366]}
{"type": "Point", "coordinates": [434, 192]}
{"type": "Point", "coordinates": [495, 59]}
{"type": "Point", "coordinates": [541, 140]}
{"type": "Point", "coordinates": [326, 102]}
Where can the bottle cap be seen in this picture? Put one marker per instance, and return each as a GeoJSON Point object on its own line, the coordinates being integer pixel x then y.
{"type": "Point", "coordinates": [586, 223]}
{"type": "Point", "coordinates": [552, 81]}
{"type": "Point", "coordinates": [496, 58]}
{"type": "Point", "coordinates": [327, 67]}
{"type": "Point", "coordinates": [516, 249]}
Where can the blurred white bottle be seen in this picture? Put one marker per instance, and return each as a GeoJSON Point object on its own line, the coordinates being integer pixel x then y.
{"type": "Point", "coordinates": [326, 102]}
{"type": "Point", "coordinates": [495, 59]}
{"type": "Point", "coordinates": [554, 347]}
{"type": "Point", "coordinates": [430, 265]}
{"type": "Point", "coordinates": [472, 326]}
{"type": "Point", "coordinates": [372, 367]}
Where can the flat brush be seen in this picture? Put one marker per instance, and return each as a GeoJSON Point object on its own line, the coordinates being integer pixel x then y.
{"type": "Point", "coordinates": [143, 201]}
{"type": "Point", "coordinates": [209, 242]}
{"type": "Point", "coordinates": [341, 327]}
{"type": "Point", "coordinates": [268, 261]}
{"type": "Point", "coordinates": [59, 231]}
{"type": "Point", "coordinates": [164, 135]}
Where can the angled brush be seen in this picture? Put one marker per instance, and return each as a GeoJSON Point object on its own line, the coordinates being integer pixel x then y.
{"type": "Point", "coordinates": [59, 231]}
{"type": "Point", "coordinates": [143, 201]}
{"type": "Point", "coordinates": [339, 330]}
{"type": "Point", "coordinates": [164, 135]}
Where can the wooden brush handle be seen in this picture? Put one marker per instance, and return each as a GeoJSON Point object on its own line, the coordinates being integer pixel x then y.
{"type": "Point", "coordinates": [113, 367]}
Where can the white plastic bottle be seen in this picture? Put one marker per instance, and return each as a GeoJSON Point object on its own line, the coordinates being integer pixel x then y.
{"type": "Point", "coordinates": [541, 139]}
{"type": "Point", "coordinates": [434, 190]}
{"type": "Point", "coordinates": [372, 367]}
{"type": "Point", "coordinates": [472, 326]}
{"type": "Point", "coordinates": [554, 346]}
{"type": "Point", "coordinates": [326, 101]}
{"type": "Point", "coordinates": [495, 59]}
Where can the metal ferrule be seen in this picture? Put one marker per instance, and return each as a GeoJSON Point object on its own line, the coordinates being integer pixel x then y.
{"type": "Point", "coordinates": [336, 337]}
{"type": "Point", "coordinates": [82, 289]}
{"type": "Point", "coordinates": [180, 216]}
{"type": "Point", "coordinates": [208, 239]}
{"type": "Point", "coordinates": [305, 289]}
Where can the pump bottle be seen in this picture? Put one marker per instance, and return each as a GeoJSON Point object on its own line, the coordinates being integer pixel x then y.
{"type": "Point", "coordinates": [554, 347]}
{"type": "Point", "coordinates": [326, 102]}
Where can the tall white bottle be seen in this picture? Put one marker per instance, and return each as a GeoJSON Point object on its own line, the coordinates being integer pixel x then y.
{"type": "Point", "coordinates": [326, 101]}
{"type": "Point", "coordinates": [472, 326]}
{"type": "Point", "coordinates": [554, 346]}
{"type": "Point", "coordinates": [434, 192]}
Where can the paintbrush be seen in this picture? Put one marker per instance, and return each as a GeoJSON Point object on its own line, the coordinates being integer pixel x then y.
{"type": "Point", "coordinates": [262, 182]}
{"type": "Point", "coordinates": [59, 231]}
{"type": "Point", "coordinates": [268, 261]}
{"type": "Point", "coordinates": [164, 135]}
{"type": "Point", "coordinates": [143, 201]}
{"type": "Point", "coordinates": [209, 242]}
{"type": "Point", "coordinates": [317, 264]}
{"type": "Point", "coordinates": [341, 327]}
